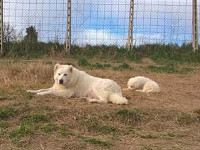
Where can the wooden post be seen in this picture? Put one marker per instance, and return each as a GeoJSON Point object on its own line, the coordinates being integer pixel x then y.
{"type": "Point", "coordinates": [129, 44]}
{"type": "Point", "coordinates": [194, 26]}
{"type": "Point", "coordinates": [68, 36]}
{"type": "Point", "coordinates": [1, 27]}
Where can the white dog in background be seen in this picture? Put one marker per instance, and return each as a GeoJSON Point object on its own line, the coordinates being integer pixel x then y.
{"type": "Point", "coordinates": [143, 84]}
{"type": "Point", "coordinates": [70, 81]}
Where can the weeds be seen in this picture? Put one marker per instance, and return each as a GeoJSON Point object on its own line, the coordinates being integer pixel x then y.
{"type": "Point", "coordinates": [148, 136]}
{"type": "Point", "coordinates": [7, 112]}
{"type": "Point", "coordinates": [185, 119]}
{"type": "Point", "coordinates": [130, 116]}
{"type": "Point", "coordinates": [25, 128]}
{"type": "Point", "coordinates": [108, 130]}
{"type": "Point", "coordinates": [64, 131]}
{"type": "Point", "coordinates": [50, 127]}
{"type": "Point", "coordinates": [147, 148]}
{"type": "Point", "coordinates": [29, 96]}
{"type": "Point", "coordinates": [92, 124]}
{"type": "Point", "coordinates": [96, 142]}
{"type": "Point", "coordinates": [169, 68]}
{"type": "Point", "coordinates": [3, 125]}
{"type": "Point", "coordinates": [124, 66]}
{"type": "Point", "coordinates": [83, 62]}
{"type": "Point", "coordinates": [35, 118]}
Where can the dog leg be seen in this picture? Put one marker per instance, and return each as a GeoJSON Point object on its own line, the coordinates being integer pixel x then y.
{"type": "Point", "coordinates": [139, 90]}
{"type": "Point", "coordinates": [38, 91]}
{"type": "Point", "coordinates": [95, 100]}
{"type": "Point", "coordinates": [63, 93]}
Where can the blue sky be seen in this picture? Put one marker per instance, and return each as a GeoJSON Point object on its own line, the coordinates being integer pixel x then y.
{"type": "Point", "coordinates": [104, 21]}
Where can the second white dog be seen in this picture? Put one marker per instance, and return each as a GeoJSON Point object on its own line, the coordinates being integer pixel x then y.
{"type": "Point", "coordinates": [143, 84]}
{"type": "Point", "coordinates": [70, 81]}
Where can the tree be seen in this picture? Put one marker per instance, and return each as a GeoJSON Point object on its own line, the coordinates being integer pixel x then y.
{"type": "Point", "coordinates": [9, 33]}
{"type": "Point", "coordinates": [31, 39]}
{"type": "Point", "coordinates": [31, 35]}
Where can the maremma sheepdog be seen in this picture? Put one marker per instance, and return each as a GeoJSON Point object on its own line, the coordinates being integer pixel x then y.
{"type": "Point", "coordinates": [143, 84]}
{"type": "Point", "coordinates": [71, 82]}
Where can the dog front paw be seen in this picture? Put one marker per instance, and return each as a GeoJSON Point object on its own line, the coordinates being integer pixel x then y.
{"type": "Point", "coordinates": [39, 94]}
{"type": "Point", "coordinates": [30, 91]}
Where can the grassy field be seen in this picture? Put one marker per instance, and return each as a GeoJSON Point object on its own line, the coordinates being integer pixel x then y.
{"type": "Point", "coordinates": [160, 121]}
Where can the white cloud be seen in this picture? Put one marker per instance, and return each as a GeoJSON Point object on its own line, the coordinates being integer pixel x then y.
{"type": "Point", "coordinates": [97, 37]}
{"type": "Point", "coordinates": [100, 37]}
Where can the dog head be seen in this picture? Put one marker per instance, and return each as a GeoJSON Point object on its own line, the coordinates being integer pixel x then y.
{"type": "Point", "coordinates": [131, 84]}
{"type": "Point", "coordinates": [62, 74]}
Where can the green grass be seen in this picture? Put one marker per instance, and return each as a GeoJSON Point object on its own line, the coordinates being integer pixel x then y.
{"type": "Point", "coordinates": [49, 62]}
{"type": "Point", "coordinates": [69, 63]}
{"type": "Point", "coordinates": [198, 113]}
{"type": "Point", "coordinates": [170, 69]}
{"type": "Point", "coordinates": [185, 119]}
{"type": "Point", "coordinates": [91, 123]}
{"type": "Point", "coordinates": [83, 62]}
{"type": "Point", "coordinates": [35, 118]}
{"type": "Point", "coordinates": [146, 148]}
{"type": "Point", "coordinates": [7, 112]}
{"type": "Point", "coordinates": [99, 66]}
{"type": "Point", "coordinates": [29, 96]}
{"type": "Point", "coordinates": [108, 129]}
{"type": "Point", "coordinates": [25, 128]}
{"type": "Point", "coordinates": [149, 136]}
{"type": "Point", "coordinates": [50, 127]}
{"type": "Point", "coordinates": [97, 142]}
{"type": "Point", "coordinates": [4, 125]}
{"type": "Point", "coordinates": [64, 131]}
{"type": "Point", "coordinates": [124, 66]}
{"type": "Point", "coordinates": [133, 116]}
{"type": "Point", "coordinates": [6, 96]}
{"type": "Point", "coordinates": [170, 135]}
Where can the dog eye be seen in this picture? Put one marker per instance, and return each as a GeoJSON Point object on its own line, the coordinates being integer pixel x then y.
{"type": "Point", "coordinates": [59, 74]}
{"type": "Point", "coordinates": [65, 74]}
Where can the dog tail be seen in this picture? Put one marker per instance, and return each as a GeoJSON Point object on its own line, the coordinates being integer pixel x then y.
{"type": "Point", "coordinates": [118, 99]}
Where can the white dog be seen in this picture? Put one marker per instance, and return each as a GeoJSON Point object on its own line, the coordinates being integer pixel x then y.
{"type": "Point", "coordinates": [70, 81]}
{"type": "Point", "coordinates": [143, 84]}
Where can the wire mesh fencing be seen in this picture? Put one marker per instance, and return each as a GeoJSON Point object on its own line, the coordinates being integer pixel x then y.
{"type": "Point", "coordinates": [102, 22]}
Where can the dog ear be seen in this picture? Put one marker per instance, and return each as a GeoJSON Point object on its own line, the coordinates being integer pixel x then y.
{"type": "Point", "coordinates": [70, 68]}
{"type": "Point", "coordinates": [56, 67]}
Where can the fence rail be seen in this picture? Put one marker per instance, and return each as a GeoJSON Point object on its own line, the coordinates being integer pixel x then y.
{"type": "Point", "coordinates": [123, 23]}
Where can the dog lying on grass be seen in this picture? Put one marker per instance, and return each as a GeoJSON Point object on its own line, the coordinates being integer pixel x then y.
{"type": "Point", "coordinates": [70, 81]}
{"type": "Point", "coordinates": [142, 84]}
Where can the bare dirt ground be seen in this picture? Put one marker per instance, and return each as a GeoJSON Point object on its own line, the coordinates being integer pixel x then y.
{"type": "Point", "coordinates": [166, 120]}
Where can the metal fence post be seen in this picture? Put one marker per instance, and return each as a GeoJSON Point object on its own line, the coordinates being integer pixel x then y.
{"type": "Point", "coordinates": [130, 30]}
{"type": "Point", "coordinates": [1, 27]}
{"type": "Point", "coordinates": [68, 36]}
{"type": "Point", "coordinates": [194, 26]}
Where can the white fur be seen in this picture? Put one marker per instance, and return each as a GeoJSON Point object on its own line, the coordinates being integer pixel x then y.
{"type": "Point", "coordinates": [143, 84]}
{"type": "Point", "coordinates": [80, 84]}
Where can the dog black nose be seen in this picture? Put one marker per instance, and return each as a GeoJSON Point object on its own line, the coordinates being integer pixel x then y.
{"type": "Point", "coordinates": [61, 81]}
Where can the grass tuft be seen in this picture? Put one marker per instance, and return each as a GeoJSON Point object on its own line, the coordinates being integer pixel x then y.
{"type": "Point", "coordinates": [35, 118]}
{"type": "Point", "coordinates": [83, 62]}
{"type": "Point", "coordinates": [185, 119]}
{"type": "Point", "coordinates": [130, 116]}
{"type": "Point", "coordinates": [97, 142]}
{"type": "Point", "coordinates": [50, 127]}
{"type": "Point", "coordinates": [25, 128]}
{"type": "Point", "coordinates": [7, 112]}
{"type": "Point", "coordinates": [148, 136]}
{"type": "Point", "coordinates": [3, 125]}
{"type": "Point", "coordinates": [124, 66]}
{"type": "Point", "coordinates": [108, 130]}
{"type": "Point", "coordinates": [170, 68]}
